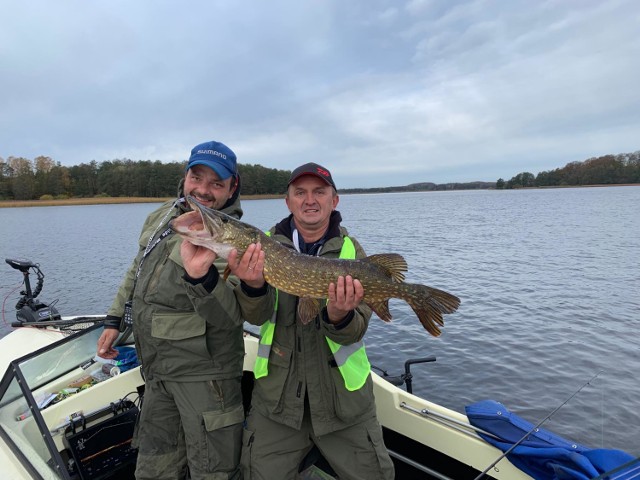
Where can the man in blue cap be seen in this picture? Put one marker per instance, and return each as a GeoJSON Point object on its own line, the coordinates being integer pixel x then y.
{"type": "Point", "coordinates": [188, 333]}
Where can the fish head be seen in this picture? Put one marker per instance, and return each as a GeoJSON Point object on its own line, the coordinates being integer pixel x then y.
{"type": "Point", "coordinates": [211, 220]}
{"type": "Point", "coordinates": [214, 229]}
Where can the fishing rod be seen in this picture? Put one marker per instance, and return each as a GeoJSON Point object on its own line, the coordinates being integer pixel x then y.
{"type": "Point", "coordinates": [524, 437]}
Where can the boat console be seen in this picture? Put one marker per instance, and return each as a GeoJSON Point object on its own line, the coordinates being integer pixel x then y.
{"type": "Point", "coordinates": [64, 415]}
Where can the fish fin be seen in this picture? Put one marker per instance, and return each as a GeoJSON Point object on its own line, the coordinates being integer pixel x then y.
{"type": "Point", "coordinates": [391, 264]}
{"type": "Point", "coordinates": [429, 304]}
{"type": "Point", "coordinates": [308, 309]}
{"type": "Point", "coordinates": [226, 273]}
{"type": "Point", "coordinates": [381, 309]}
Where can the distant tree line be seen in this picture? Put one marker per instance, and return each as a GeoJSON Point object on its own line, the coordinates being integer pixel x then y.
{"type": "Point", "coordinates": [606, 170]}
{"type": "Point", "coordinates": [24, 179]}
{"type": "Point", "coordinates": [423, 187]}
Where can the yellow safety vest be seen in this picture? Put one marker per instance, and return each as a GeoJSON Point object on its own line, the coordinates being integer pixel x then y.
{"type": "Point", "coordinates": [351, 359]}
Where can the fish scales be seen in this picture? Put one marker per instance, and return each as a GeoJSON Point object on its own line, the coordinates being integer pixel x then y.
{"type": "Point", "coordinates": [309, 277]}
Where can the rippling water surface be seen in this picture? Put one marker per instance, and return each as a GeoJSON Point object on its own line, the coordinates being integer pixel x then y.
{"type": "Point", "coordinates": [549, 282]}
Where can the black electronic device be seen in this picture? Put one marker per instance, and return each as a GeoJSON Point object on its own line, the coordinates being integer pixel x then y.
{"type": "Point", "coordinates": [29, 309]}
{"type": "Point", "coordinates": [100, 449]}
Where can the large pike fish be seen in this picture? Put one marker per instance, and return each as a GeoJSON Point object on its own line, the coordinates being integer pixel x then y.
{"type": "Point", "coordinates": [308, 277]}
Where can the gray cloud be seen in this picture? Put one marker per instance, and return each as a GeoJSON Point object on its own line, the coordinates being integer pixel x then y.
{"type": "Point", "coordinates": [381, 92]}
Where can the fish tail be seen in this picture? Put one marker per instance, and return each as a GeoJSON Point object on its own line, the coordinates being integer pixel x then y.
{"type": "Point", "coordinates": [429, 304]}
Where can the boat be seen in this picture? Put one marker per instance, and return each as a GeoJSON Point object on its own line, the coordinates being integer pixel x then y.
{"type": "Point", "coordinates": [66, 415]}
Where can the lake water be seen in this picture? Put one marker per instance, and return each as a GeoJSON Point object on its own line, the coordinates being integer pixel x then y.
{"type": "Point", "coordinates": [549, 282]}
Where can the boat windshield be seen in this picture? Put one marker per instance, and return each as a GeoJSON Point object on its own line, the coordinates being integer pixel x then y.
{"type": "Point", "coordinates": [31, 384]}
{"type": "Point", "coordinates": [47, 364]}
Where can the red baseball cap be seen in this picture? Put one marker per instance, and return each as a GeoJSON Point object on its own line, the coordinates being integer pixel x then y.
{"type": "Point", "coordinates": [312, 169]}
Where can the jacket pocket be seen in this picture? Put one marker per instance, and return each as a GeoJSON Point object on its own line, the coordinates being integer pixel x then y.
{"type": "Point", "coordinates": [223, 432]}
{"type": "Point", "coordinates": [172, 326]}
{"type": "Point", "coordinates": [217, 420]}
{"type": "Point", "coordinates": [279, 356]}
{"type": "Point", "coordinates": [351, 405]}
{"type": "Point", "coordinates": [383, 466]}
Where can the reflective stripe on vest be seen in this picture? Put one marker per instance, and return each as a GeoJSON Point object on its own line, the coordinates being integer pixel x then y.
{"type": "Point", "coordinates": [261, 368]}
{"type": "Point", "coordinates": [351, 360]}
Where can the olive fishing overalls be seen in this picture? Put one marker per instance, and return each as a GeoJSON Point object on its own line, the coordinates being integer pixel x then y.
{"type": "Point", "coordinates": [304, 399]}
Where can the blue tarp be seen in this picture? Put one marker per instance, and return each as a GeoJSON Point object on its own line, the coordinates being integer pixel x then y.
{"type": "Point", "coordinates": [126, 360]}
{"type": "Point", "coordinates": [543, 455]}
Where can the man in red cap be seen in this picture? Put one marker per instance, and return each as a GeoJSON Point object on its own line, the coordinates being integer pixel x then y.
{"type": "Point", "coordinates": [313, 385]}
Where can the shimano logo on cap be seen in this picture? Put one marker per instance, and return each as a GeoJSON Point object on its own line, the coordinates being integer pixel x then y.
{"type": "Point", "coordinates": [212, 152]}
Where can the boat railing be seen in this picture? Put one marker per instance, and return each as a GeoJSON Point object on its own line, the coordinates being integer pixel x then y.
{"type": "Point", "coordinates": [448, 421]}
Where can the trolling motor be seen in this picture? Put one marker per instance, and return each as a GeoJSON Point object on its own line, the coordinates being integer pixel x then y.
{"type": "Point", "coordinates": [29, 309]}
{"type": "Point", "coordinates": [406, 377]}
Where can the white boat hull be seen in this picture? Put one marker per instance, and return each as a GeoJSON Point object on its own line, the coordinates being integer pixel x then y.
{"type": "Point", "coordinates": [429, 425]}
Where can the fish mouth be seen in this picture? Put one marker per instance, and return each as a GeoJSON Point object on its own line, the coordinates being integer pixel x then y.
{"type": "Point", "coordinates": [212, 223]}
{"type": "Point", "coordinates": [194, 203]}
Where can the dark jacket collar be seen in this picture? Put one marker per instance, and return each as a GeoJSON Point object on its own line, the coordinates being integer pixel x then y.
{"type": "Point", "coordinates": [285, 226]}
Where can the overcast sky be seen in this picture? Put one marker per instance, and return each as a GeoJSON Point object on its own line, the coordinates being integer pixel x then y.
{"type": "Point", "coordinates": [382, 92]}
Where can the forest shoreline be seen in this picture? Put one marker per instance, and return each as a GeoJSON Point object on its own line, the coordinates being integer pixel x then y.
{"type": "Point", "coordinates": [106, 201]}
{"type": "Point", "coordinates": [121, 200]}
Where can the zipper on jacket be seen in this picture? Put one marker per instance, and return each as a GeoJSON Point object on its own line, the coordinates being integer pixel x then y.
{"type": "Point", "coordinates": [299, 344]}
{"type": "Point", "coordinates": [299, 391]}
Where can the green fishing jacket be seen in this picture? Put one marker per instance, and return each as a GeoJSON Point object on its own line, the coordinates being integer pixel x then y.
{"type": "Point", "coordinates": [182, 331]}
{"type": "Point", "coordinates": [301, 362]}
{"type": "Point", "coordinates": [351, 359]}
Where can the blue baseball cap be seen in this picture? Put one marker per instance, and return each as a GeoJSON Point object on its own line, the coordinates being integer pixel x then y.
{"type": "Point", "coordinates": [215, 155]}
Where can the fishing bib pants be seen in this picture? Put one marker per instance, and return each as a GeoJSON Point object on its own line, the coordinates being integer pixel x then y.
{"type": "Point", "coordinates": [274, 451]}
{"type": "Point", "coordinates": [204, 418]}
